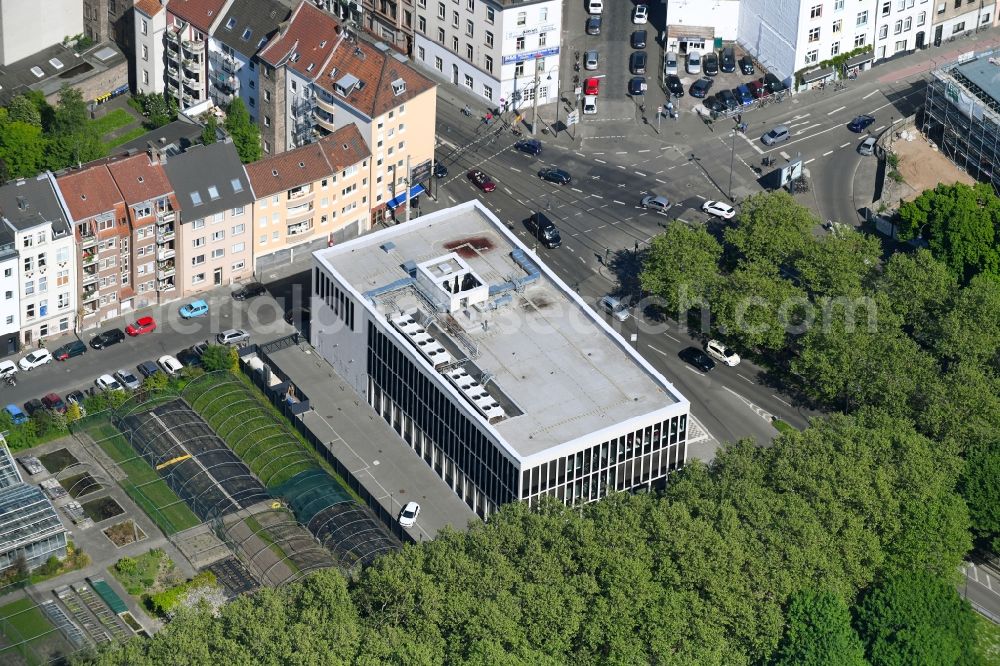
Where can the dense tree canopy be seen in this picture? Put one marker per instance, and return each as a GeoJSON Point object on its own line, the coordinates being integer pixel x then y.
{"type": "Point", "coordinates": [681, 266]}
{"type": "Point", "coordinates": [819, 632]}
{"type": "Point", "coordinates": [772, 228]}
{"type": "Point", "coordinates": [245, 133]}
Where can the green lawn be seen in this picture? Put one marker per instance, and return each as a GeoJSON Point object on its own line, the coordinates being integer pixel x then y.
{"type": "Point", "coordinates": [24, 627]}
{"type": "Point", "coordinates": [151, 572]}
{"type": "Point", "coordinates": [112, 121]}
{"type": "Point", "coordinates": [126, 137]}
{"type": "Point", "coordinates": [143, 484]}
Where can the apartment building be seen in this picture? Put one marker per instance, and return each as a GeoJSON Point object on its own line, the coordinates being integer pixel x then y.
{"type": "Point", "coordinates": [188, 26]}
{"type": "Point", "coordinates": [310, 197]}
{"type": "Point", "coordinates": [33, 211]}
{"type": "Point", "coordinates": [954, 18]}
{"type": "Point", "coordinates": [498, 49]}
{"type": "Point", "coordinates": [109, 20]}
{"type": "Point", "coordinates": [391, 21]}
{"type": "Point", "coordinates": [150, 40]}
{"type": "Point", "coordinates": [214, 244]}
{"type": "Point", "coordinates": [901, 26]}
{"type": "Point", "coordinates": [10, 303]}
{"type": "Point", "coordinates": [30, 26]}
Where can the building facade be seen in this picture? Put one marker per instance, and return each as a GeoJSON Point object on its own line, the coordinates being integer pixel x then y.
{"type": "Point", "coordinates": [150, 40]}
{"type": "Point", "coordinates": [189, 23]}
{"type": "Point", "coordinates": [10, 303]}
{"type": "Point", "coordinates": [499, 50]}
{"type": "Point", "coordinates": [214, 241]}
{"type": "Point", "coordinates": [502, 388]}
{"type": "Point", "coordinates": [955, 18]}
{"type": "Point", "coordinates": [33, 212]}
{"type": "Point", "coordinates": [109, 20]}
{"type": "Point", "coordinates": [391, 21]}
{"type": "Point", "coordinates": [28, 26]}
{"type": "Point", "coordinates": [310, 197]}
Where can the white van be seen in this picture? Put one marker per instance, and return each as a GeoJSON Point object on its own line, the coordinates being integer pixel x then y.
{"type": "Point", "coordinates": [595, 6]}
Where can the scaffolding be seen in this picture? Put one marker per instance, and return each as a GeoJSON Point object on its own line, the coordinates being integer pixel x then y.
{"type": "Point", "coordinates": [962, 115]}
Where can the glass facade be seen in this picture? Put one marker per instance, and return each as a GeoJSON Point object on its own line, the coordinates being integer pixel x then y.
{"type": "Point", "coordinates": [29, 525]}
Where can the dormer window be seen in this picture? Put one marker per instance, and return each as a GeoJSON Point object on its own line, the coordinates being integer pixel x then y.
{"type": "Point", "coordinates": [231, 23]}
{"type": "Point", "coordinates": [246, 34]}
{"type": "Point", "coordinates": [346, 85]}
{"type": "Point", "coordinates": [398, 87]}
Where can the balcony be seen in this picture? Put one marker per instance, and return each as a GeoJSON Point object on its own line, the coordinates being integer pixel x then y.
{"type": "Point", "coordinates": [301, 209]}
{"type": "Point", "coordinates": [194, 46]}
{"type": "Point", "coordinates": [325, 123]}
{"type": "Point", "coordinates": [299, 230]}
{"type": "Point", "coordinates": [164, 234]}
{"type": "Point", "coordinates": [173, 36]}
{"type": "Point", "coordinates": [164, 253]}
{"type": "Point", "coordinates": [89, 311]}
{"type": "Point", "coordinates": [89, 278]}
{"type": "Point", "coordinates": [190, 78]}
{"type": "Point", "coordinates": [165, 285]}
{"type": "Point", "coordinates": [299, 193]}
{"type": "Point", "coordinates": [301, 106]}
{"type": "Point", "coordinates": [90, 294]}
{"type": "Point", "coordinates": [88, 241]}
{"type": "Point", "coordinates": [165, 216]}
{"type": "Point", "coordinates": [165, 269]}
{"type": "Point", "coordinates": [326, 105]}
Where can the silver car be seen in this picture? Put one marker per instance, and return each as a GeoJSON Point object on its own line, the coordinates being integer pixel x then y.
{"type": "Point", "coordinates": [590, 60]}
{"type": "Point", "coordinates": [128, 379]}
{"type": "Point", "coordinates": [615, 306]}
{"type": "Point", "coordinates": [232, 336]}
{"type": "Point", "coordinates": [655, 203]}
{"type": "Point", "coordinates": [670, 64]}
{"type": "Point", "coordinates": [778, 134]}
{"type": "Point", "coordinates": [694, 62]}
{"type": "Point", "coordinates": [867, 146]}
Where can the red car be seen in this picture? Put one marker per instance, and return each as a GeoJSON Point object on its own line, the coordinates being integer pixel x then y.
{"type": "Point", "coordinates": [55, 403]}
{"type": "Point", "coordinates": [141, 326]}
{"type": "Point", "coordinates": [481, 180]}
{"type": "Point", "coordinates": [758, 89]}
{"type": "Point", "coordinates": [591, 85]}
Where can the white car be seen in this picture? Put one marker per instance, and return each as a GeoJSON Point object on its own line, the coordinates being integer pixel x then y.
{"type": "Point", "coordinates": [640, 14]}
{"type": "Point", "coordinates": [719, 209]}
{"type": "Point", "coordinates": [589, 105]}
{"type": "Point", "coordinates": [170, 365]}
{"type": "Point", "coordinates": [232, 336]}
{"type": "Point", "coordinates": [694, 62]}
{"type": "Point", "coordinates": [720, 352]}
{"type": "Point", "coordinates": [408, 516]}
{"type": "Point", "coordinates": [35, 359]}
{"type": "Point", "coordinates": [655, 203]}
{"type": "Point", "coordinates": [595, 6]}
{"type": "Point", "coordinates": [108, 383]}
{"type": "Point", "coordinates": [7, 368]}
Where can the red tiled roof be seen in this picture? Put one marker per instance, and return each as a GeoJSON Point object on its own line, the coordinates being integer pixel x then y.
{"type": "Point", "coordinates": [306, 41]}
{"type": "Point", "coordinates": [89, 191]}
{"type": "Point", "coordinates": [378, 70]}
{"type": "Point", "coordinates": [140, 180]}
{"type": "Point", "coordinates": [307, 164]}
{"type": "Point", "coordinates": [199, 13]}
{"type": "Point", "coordinates": [149, 7]}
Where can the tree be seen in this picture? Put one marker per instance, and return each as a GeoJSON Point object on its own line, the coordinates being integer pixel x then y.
{"type": "Point", "coordinates": [970, 331]}
{"type": "Point", "coordinates": [24, 110]}
{"type": "Point", "coordinates": [245, 133]}
{"type": "Point", "coordinates": [73, 413]}
{"type": "Point", "coordinates": [913, 617]}
{"type": "Point", "coordinates": [920, 289]}
{"type": "Point", "coordinates": [70, 113]}
{"type": "Point", "coordinates": [209, 133]}
{"type": "Point", "coordinates": [819, 632]}
{"type": "Point", "coordinates": [841, 264]}
{"type": "Point", "coordinates": [22, 148]}
{"type": "Point", "coordinates": [755, 307]}
{"type": "Point", "coordinates": [960, 408]}
{"type": "Point", "coordinates": [155, 382]}
{"type": "Point", "coordinates": [960, 223]}
{"type": "Point", "coordinates": [70, 149]}
{"type": "Point", "coordinates": [981, 488]}
{"type": "Point", "coordinates": [681, 267]}
{"type": "Point", "coordinates": [771, 227]}
{"type": "Point", "coordinates": [216, 357]}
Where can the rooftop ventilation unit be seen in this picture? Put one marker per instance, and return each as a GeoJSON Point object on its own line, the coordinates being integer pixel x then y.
{"type": "Point", "coordinates": [424, 342]}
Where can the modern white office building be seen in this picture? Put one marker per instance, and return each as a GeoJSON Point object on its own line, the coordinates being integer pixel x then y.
{"type": "Point", "coordinates": [489, 367]}
{"type": "Point", "coordinates": [498, 49]}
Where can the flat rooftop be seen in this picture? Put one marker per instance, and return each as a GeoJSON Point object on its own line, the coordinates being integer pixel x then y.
{"type": "Point", "coordinates": [56, 65]}
{"type": "Point", "coordinates": [553, 370]}
{"type": "Point", "coordinates": [982, 77]}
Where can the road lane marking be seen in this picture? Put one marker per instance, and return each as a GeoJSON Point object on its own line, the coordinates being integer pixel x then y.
{"type": "Point", "coordinates": [829, 152]}
{"type": "Point", "coordinates": [596, 196]}
{"type": "Point", "coordinates": [658, 351]}
{"type": "Point", "coordinates": [785, 155]}
{"type": "Point", "coordinates": [600, 161]}
{"type": "Point", "coordinates": [671, 337]}
{"type": "Point", "coordinates": [845, 145]}
{"type": "Point", "coordinates": [662, 182]}
{"type": "Point", "coordinates": [597, 153]}
{"type": "Point", "coordinates": [745, 378]}
{"type": "Point", "coordinates": [880, 128]}
{"type": "Point", "coordinates": [874, 92]}
{"type": "Point", "coordinates": [451, 199]}
{"type": "Point", "coordinates": [693, 370]}
{"type": "Point", "coordinates": [645, 150]}
{"type": "Point", "coordinates": [759, 411]}
{"type": "Point", "coordinates": [838, 110]}
{"type": "Point", "coordinates": [515, 169]}
{"type": "Point", "coordinates": [639, 173]}
{"type": "Point", "coordinates": [775, 396]}
{"type": "Point", "coordinates": [809, 160]}
{"type": "Point", "coordinates": [576, 189]}
{"type": "Point", "coordinates": [622, 152]}
{"type": "Point", "coordinates": [508, 191]}
{"type": "Point", "coordinates": [622, 203]}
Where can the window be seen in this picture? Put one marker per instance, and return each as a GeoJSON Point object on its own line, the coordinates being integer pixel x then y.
{"type": "Point", "coordinates": [900, 45]}
{"type": "Point", "coordinates": [41, 261]}
{"type": "Point", "coordinates": [812, 56]}
{"type": "Point", "coordinates": [814, 35]}
{"type": "Point", "coordinates": [263, 239]}
{"type": "Point", "coordinates": [29, 287]}
{"type": "Point", "coordinates": [835, 49]}
{"type": "Point", "coordinates": [43, 285]}
{"type": "Point", "coordinates": [238, 247]}
{"type": "Point", "coordinates": [958, 3]}
{"type": "Point", "coordinates": [898, 28]}
{"type": "Point", "coordinates": [886, 7]}
{"type": "Point", "coordinates": [198, 224]}
{"type": "Point", "coordinates": [145, 77]}
{"type": "Point", "coordinates": [440, 35]}
{"type": "Point", "coordinates": [145, 52]}
{"type": "Point", "coordinates": [489, 68]}
{"type": "Point", "coordinates": [958, 27]}
{"type": "Point", "coordinates": [816, 11]}
{"type": "Point", "coordinates": [519, 44]}
{"type": "Point", "coordinates": [838, 5]}
{"type": "Point", "coordinates": [454, 19]}
{"type": "Point", "coordinates": [921, 18]}
{"type": "Point", "coordinates": [29, 311]}
{"type": "Point", "coordinates": [238, 211]}
{"type": "Point", "coordinates": [143, 26]}
{"type": "Point", "coordinates": [238, 266]}
{"type": "Point", "coordinates": [29, 264]}
{"type": "Point", "coordinates": [198, 260]}
{"type": "Point", "coordinates": [454, 44]}
{"type": "Point", "coordinates": [469, 28]}
{"type": "Point", "coordinates": [838, 25]}
{"type": "Point", "coordinates": [218, 253]}
{"type": "Point", "coordinates": [63, 300]}
{"type": "Point", "coordinates": [421, 25]}
{"type": "Point", "coordinates": [468, 52]}
{"type": "Point", "coordinates": [439, 64]}
{"type": "Point", "coordinates": [62, 277]}
{"type": "Point", "coordinates": [487, 91]}
{"type": "Point", "coordinates": [489, 39]}
{"type": "Point", "coordinates": [522, 18]}
{"type": "Point", "coordinates": [859, 40]}
{"type": "Point", "coordinates": [441, 10]}
{"type": "Point", "coordinates": [421, 53]}
{"type": "Point", "coordinates": [197, 278]}
{"type": "Point", "coordinates": [490, 15]}
{"type": "Point", "coordinates": [267, 95]}
{"type": "Point", "coordinates": [238, 229]}
{"type": "Point", "coordinates": [940, 8]}
{"type": "Point", "coordinates": [862, 18]}
{"type": "Point", "coordinates": [198, 242]}
{"type": "Point", "coordinates": [519, 69]}
{"type": "Point", "coordinates": [267, 121]}
{"type": "Point", "coordinates": [218, 235]}
{"type": "Point", "coordinates": [907, 23]}
{"type": "Point", "coordinates": [883, 31]}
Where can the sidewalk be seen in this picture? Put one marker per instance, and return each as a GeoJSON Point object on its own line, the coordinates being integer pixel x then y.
{"type": "Point", "coordinates": [921, 62]}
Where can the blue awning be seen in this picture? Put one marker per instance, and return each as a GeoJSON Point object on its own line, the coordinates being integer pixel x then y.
{"type": "Point", "coordinates": [401, 199]}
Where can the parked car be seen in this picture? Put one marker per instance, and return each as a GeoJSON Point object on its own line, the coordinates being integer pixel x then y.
{"type": "Point", "coordinates": [557, 176]}
{"type": "Point", "coordinates": [637, 85]}
{"type": "Point", "coordinates": [141, 326]}
{"type": "Point", "coordinates": [637, 62]}
{"type": "Point", "coordinates": [758, 89]}
{"type": "Point", "coordinates": [674, 85]}
{"type": "Point", "coordinates": [727, 60]}
{"type": "Point", "coordinates": [712, 102]}
{"type": "Point", "coordinates": [655, 203]}
{"type": "Point", "coordinates": [775, 135]}
{"type": "Point", "coordinates": [35, 359]}
{"type": "Point", "coordinates": [481, 180]}
{"type": "Point", "coordinates": [529, 146]}
{"type": "Point", "coordinates": [33, 406]}
{"type": "Point", "coordinates": [697, 358]}
{"type": "Point", "coordinates": [69, 350]}
{"type": "Point", "coordinates": [594, 25]}
{"type": "Point", "coordinates": [860, 123]}
{"type": "Point", "coordinates": [746, 65]}
{"type": "Point", "coordinates": [693, 62]}
{"type": "Point", "coordinates": [76, 398]}
{"type": "Point", "coordinates": [721, 352]}
{"type": "Point", "coordinates": [147, 368]}
{"type": "Point", "coordinates": [710, 64]}
{"type": "Point", "coordinates": [105, 339]}
{"type": "Point", "coordinates": [188, 357]}
{"type": "Point", "coordinates": [591, 59]}
{"type": "Point", "coordinates": [7, 368]}
{"type": "Point", "coordinates": [589, 105]}
{"type": "Point", "coordinates": [591, 86]}
{"type": "Point", "coordinates": [200, 348]}
{"type": "Point", "coordinates": [440, 171]}
{"type": "Point", "coordinates": [719, 209]}
{"type": "Point", "coordinates": [542, 228]}
{"type": "Point", "coordinates": [728, 98]}
{"type": "Point", "coordinates": [615, 307]}
{"type": "Point", "coordinates": [774, 84]}
{"type": "Point", "coordinates": [231, 336]}
{"type": "Point", "coordinates": [640, 14]}
{"type": "Point", "coordinates": [197, 308]}
{"type": "Point", "coordinates": [107, 383]}
{"type": "Point", "coordinates": [170, 365]}
{"type": "Point", "coordinates": [743, 94]}
{"type": "Point", "coordinates": [249, 291]}
{"type": "Point", "coordinates": [638, 39]}
{"type": "Point", "coordinates": [128, 379]}
{"type": "Point", "coordinates": [867, 147]}
{"type": "Point", "coordinates": [54, 403]}
{"type": "Point", "coordinates": [595, 6]}
{"type": "Point", "coordinates": [670, 63]}
{"type": "Point", "coordinates": [16, 415]}
{"type": "Point", "coordinates": [700, 88]}
{"type": "Point", "coordinates": [408, 516]}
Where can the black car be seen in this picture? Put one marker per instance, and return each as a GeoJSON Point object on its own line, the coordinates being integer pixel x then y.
{"type": "Point", "coordinates": [188, 358]}
{"type": "Point", "coordinates": [728, 60]}
{"type": "Point", "coordinates": [542, 228]}
{"type": "Point", "coordinates": [32, 406]}
{"type": "Point", "coordinates": [529, 146]}
{"type": "Point", "coordinates": [713, 104]}
{"type": "Point", "coordinates": [860, 123]}
{"type": "Point", "coordinates": [697, 358]}
{"type": "Point", "coordinates": [440, 170]}
{"type": "Point", "coordinates": [710, 64]}
{"type": "Point", "coordinates": [104, 339]}
{"type": "Point", "coordinates": [746, 65]}
{"type": "Point", "coordinates": [701, 87]}
{"type": "Point", "coordinates": [637, 62]}
{"type": "Point", "coordinates": [637, 85]}
{"type": "Point", "coordinates": [147, 368]}
{"type": "Point", "coordinates": [674, 85]}
{"type": "Point", "coordinates": [729, 99]}
{"type": "Point", "coordinates": [75, 397]}
{"type": "Point", "coordinates": [639, 39]}
{"type": "Point", "coordinates": [773, 83]}
{"type": "Point", "coordinates": [557, 176]}
{"type": "Point", "coordinates": [69, 350]}
{"type": "Point", "coordinates": [249, 291]}
{"type": "Point", "coordinates": [594, 25]}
